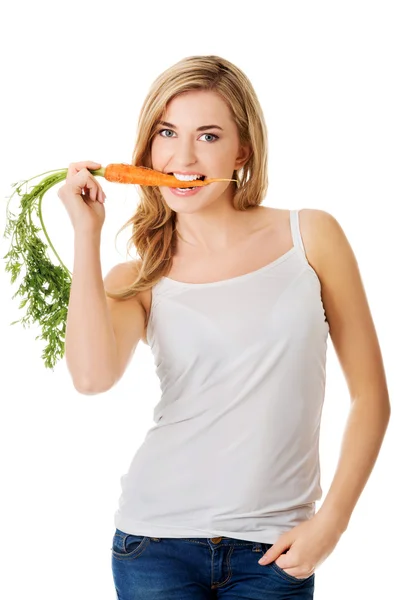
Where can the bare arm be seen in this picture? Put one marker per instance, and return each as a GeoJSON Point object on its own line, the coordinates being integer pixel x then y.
{"type": "Point", "coordinates": [90, 345]}
{"type": "Point", "coordinates": [355, 340]}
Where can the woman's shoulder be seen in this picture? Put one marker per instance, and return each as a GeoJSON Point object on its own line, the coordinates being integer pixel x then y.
{"type": "Point", "coordinates": [123, 272]}
{"type": "Point", "coordinates": [318, 229]}
{"type": "Point", "coordinates": [122, 275]}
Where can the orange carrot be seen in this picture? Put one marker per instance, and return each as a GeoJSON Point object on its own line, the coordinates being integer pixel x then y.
{"type": "Point", "coordinates": [125, 173]}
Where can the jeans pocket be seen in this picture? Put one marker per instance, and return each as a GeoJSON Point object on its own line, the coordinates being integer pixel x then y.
{"type": "Point", "coordinates": [127, 545]}
{"type": "Point", "coordinates": [281, 572]}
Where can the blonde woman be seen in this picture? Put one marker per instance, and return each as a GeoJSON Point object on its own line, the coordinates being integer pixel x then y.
{"type": "Point", "coordinates": [236, 300]}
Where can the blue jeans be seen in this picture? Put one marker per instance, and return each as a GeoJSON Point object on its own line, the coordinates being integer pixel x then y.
{"type": "Point", "coordinates": [150, 568]}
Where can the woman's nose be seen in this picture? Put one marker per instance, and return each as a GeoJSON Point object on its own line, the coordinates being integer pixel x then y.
{"type": "Point", "coordinates": [185, 152]}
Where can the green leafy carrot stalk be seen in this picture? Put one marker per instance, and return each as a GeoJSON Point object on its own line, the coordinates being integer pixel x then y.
{"type": "Point", "coordinates": [45, 287]}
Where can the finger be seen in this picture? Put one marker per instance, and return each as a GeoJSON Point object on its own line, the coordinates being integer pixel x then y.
{"type": "Point", "coordinates": [77, 166]}
{"type": "Point", "coordinates": [299, 571]}
{"type": "Point", "coordinates": [99, 191]}
{"type": "Point", "coordinates": [285, 562]}
{"type": "Point", "coordinates": [74, 168]}
{"type": "Point", "coordinates": [93, 189]}
{"type": "Point", "coordinates": [86, 183]}
{"type": "Point", "coordinates": [273, 552]}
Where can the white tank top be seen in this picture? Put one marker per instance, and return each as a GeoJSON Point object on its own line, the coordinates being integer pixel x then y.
{"type": "Point", "coordinates": [235, 447]}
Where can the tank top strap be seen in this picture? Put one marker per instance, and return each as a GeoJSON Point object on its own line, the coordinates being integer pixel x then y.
{"type": "Point", "coordinates": [295, 227]}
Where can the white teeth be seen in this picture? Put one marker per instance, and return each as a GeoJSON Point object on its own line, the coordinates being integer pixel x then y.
{"type": "Point", "coordinates": [187, 177]}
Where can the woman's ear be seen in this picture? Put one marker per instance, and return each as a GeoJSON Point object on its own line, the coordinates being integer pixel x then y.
{"type": "Point", "coordinates": [243, 156]}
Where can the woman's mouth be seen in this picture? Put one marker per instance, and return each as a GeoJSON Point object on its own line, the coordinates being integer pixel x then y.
{"type": "Point", "coordinates": [186, 191]}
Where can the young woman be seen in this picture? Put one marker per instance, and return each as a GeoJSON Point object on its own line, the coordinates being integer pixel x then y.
{"type": "Point", "coordinates": [236, 300]}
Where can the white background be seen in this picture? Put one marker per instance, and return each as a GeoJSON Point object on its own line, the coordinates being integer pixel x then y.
{"type": "Point", "coordinates": [74, 76]}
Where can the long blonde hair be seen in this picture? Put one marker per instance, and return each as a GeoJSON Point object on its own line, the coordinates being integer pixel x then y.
{"type": "Point", "coordinates": [153, 223]}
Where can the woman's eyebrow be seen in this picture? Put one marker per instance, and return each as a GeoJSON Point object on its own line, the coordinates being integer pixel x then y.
{"type": "Point", "coordinates": [202, 128]}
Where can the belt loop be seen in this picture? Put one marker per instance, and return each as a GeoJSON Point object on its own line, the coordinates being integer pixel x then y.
{"type": "Point", "coordinates": [256, 547]}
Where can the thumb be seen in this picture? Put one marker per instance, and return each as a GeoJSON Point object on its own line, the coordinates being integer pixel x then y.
{"type": "Point", "coordinates": [273, 552]}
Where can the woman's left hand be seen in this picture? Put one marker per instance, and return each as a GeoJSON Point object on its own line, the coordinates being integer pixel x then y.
{"type": "Point", "coordinates": [309, 544]}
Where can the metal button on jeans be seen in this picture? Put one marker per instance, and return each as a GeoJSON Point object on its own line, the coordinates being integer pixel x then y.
{"type": "Point", "coordinates": [216, 540]}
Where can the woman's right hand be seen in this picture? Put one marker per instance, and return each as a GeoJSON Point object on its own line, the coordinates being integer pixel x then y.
{"type": "Point", "coordinates": [83, 197]}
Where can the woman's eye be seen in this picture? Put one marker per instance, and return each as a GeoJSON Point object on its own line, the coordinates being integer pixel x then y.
{"type": "Point", "coordinates": [162, 130]}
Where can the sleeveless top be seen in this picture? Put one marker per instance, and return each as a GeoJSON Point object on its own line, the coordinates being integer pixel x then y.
{"type": "Point", "coordinates": [234, 451]}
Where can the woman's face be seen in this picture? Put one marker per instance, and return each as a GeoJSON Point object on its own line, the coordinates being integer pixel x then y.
{"type": "Point", "coordinates": [179, 147]}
